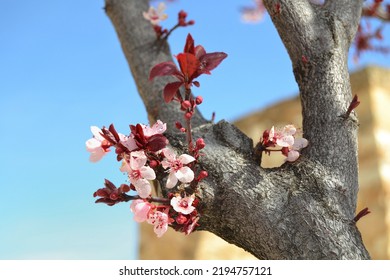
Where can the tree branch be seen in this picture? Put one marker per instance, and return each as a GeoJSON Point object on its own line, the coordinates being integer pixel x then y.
{"type": "Point", "coordinates": [302, 210]}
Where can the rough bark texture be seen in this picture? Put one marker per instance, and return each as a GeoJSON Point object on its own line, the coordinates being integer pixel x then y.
{"type": "Point", "coordinates": [302, 210]}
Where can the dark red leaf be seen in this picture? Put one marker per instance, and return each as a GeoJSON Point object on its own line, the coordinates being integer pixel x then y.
{"type": "Point", "coordinates": [189, 46]}
{"type": "Point", "coordinates": [199, 51]}
{"type": "Point", "coordinates": [189, 64]}
{"type": "Point", "coordinates": [210, 61]}
{"type": "Point", "coordinates": [109, 185]}
{"type": "Point", "coordinates": [170, 91]}
{"type": "Point", "coordinates": [164, 69]}
{"type": "Point", "coordinates": [157, 142]}
{"type": "Point", "coordinates": [112, 129]}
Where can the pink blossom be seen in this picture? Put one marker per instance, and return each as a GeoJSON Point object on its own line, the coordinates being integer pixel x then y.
{"type": "Point", "coordinates": [293, 153]}
{"type": "Point", "coordinates": [141, 210]}
{"type": "Point", "coordinates": [155, 16]}
{"type": "Point", "coordinates": [160, 222]}
{"type": "Point", "coordinates": [158, 128]}
{"type": "Point", "coordinates": [177, 168]}
{"type": "Point", "coordinates": [128, 142]}
{"type": "Point", "coordinates": [253, 14]}
{"type": "Point", "coordinates": [183, 204]}
{"type": "Point", "coordinates": [97, 146]}
{"type": "Point", "coordinates": [285, 138]}
{"type": "Point", "coordinates": [139, 174]}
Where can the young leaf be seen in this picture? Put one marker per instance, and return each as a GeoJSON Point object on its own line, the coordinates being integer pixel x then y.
{"type": "Point", "coordinates": [211, 60]}
{"type": "Point", "coordinates": [170, 91]}
{"type": "Point", "coordinates": [189, 64]}
{"type": "Point", "coordinates": [189, 46]}
{"type": "Point", "coordinates": [164, 69]}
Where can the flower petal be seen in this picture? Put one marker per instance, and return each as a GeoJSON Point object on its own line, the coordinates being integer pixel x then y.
{"type": "Point", "coordinates": [185, 159]}
{"type": "Point", "coordinates": [300, 143]}
{"type": "Point", "coordinates": [143, 188]}
{"type": "Point", "coordinates": [171, 181]}
{"type": "Point", "coordinates": [148, 173]}
{"type": "Point", "coordinates": [185, 174]}
{"type": "Point", "coordinates": [292, 156]}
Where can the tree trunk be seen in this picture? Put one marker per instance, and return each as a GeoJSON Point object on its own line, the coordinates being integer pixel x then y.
{"type": "Point", "coordinates": [301, 210]}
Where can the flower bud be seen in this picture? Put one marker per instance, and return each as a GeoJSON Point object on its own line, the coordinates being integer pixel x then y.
{"type": "Point", "coordinates": [200, 144]}
{"type": "Point", "coordinates": [202, 174]}
{"type": "Point", "coordinates": [188, 115]}
{"type": "Point", "coordinates": [198, 100]}
{"type": "Point", "coordinates": [153, 164]}
{"type": "Point", "coordinates": [186, 104]}
{"type": "Point", "coordinates": [178, 125]}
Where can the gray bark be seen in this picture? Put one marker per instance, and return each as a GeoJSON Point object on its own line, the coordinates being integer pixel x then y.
{"type": "Point", "coordinates": [302, 210]}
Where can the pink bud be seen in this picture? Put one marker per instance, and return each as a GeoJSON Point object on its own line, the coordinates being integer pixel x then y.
{"type": "Point", "coordinates": [200, 144]}
{"type": "Point", "coordinates": [178, 125]}
{"type": "Point", "coordinates": [181, 219]}
{"type": "Point", "coordinates": [182, 14]}
{"type": "Point", "coordinates": [198, 100]}
{"type": "Point", "coordinates": [191, 22]}
{"type": "Point", "coordinates": [186, 104]}
{"type": "Point", "coordinates": [202, 174]}
{"type": "Point", "coordinates": [188, 115]}
{"type": "Point", "coordinates": [153, 164]}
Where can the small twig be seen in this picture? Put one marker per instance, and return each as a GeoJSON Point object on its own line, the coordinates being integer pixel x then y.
{"type": "Point", "coordinates": [361, 214]}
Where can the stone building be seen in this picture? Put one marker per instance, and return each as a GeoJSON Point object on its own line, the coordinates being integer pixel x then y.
{"type": "Point", "coordinates": [372, 85]}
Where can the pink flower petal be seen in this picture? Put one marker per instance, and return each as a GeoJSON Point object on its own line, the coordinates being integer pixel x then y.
{"type": "Point", "coordinates": [185, 174]}
{"type": "Point", "coordinates": [292, 156]}
{"type": "Point", "coordinates": [171, 181]}
{"type": "Point", "coordinates": [185, 159]}
{"type": "Point", "coordinates": [300, 143]}
{"type": "Point", "coordinates": [148, 173]}
{"type": "Point", "coordinates": [143, 188]}
{"type": "Point", "coordinates": [285, 141]}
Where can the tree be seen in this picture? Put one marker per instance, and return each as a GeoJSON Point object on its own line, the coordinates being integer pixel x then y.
{"type": "Point", "coordinates": [301, 210]}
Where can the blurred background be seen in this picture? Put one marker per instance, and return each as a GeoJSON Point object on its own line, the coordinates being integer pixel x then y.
{"type": "Point", "coordinates": [62, 70]}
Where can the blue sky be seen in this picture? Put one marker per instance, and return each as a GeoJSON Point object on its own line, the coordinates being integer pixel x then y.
{"type": "Point", "coordinates": [62, 70]}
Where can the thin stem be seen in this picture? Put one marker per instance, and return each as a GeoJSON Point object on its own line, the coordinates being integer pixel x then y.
{"type": "Point", "coordinates": [162, 200]}
{"type": "Point", "coordinates": [188, 123]}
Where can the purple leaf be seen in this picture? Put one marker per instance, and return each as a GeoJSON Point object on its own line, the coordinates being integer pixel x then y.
{"type": "Point", "coordinates": [164, 69]}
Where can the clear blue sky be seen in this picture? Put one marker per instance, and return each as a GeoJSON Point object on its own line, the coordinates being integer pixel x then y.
{"type": "Point", "coordinates": [61, 71]}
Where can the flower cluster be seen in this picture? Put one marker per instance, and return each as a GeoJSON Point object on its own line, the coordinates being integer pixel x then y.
{"type": "Point", "coordinates": [285, 138]}
{"type": "Point", "coordinates": [155, 16]}
{"type": "Point", "coordinates": [181, 213]}
{"type": "Point", "coordinates": [142, 153]}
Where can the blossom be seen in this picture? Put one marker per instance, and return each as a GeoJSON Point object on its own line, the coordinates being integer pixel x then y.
{"type": "Point", "coordinates": [141, 210]}
{"type": "Point", "coordinates": [285, 138]}
{"type": "Point", "coordinates": [253, 14]}
{"type": "Point", "coordinates": [177, 168]}
{"type": "Point", "coordinates": [139, 173]}
{"type": "Point", "coordinates": [153, 141]}
{"type": "Point", "coordinates": [128, 142]}
{"type": "Point", "coordinates": [183, 204]}
{"type": "Point", "coordinates": [155, 16]}
{"type": "Point", "coordinates": [289, 143]}
{"type": "Point", "coordinates": [293, 152]}
{"type": "Point", "coordinates": [160, 222]}
{"type": "Point", "coordinates": [158, 128]}
{"type": "Point", "coordinates": [97, 146]}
